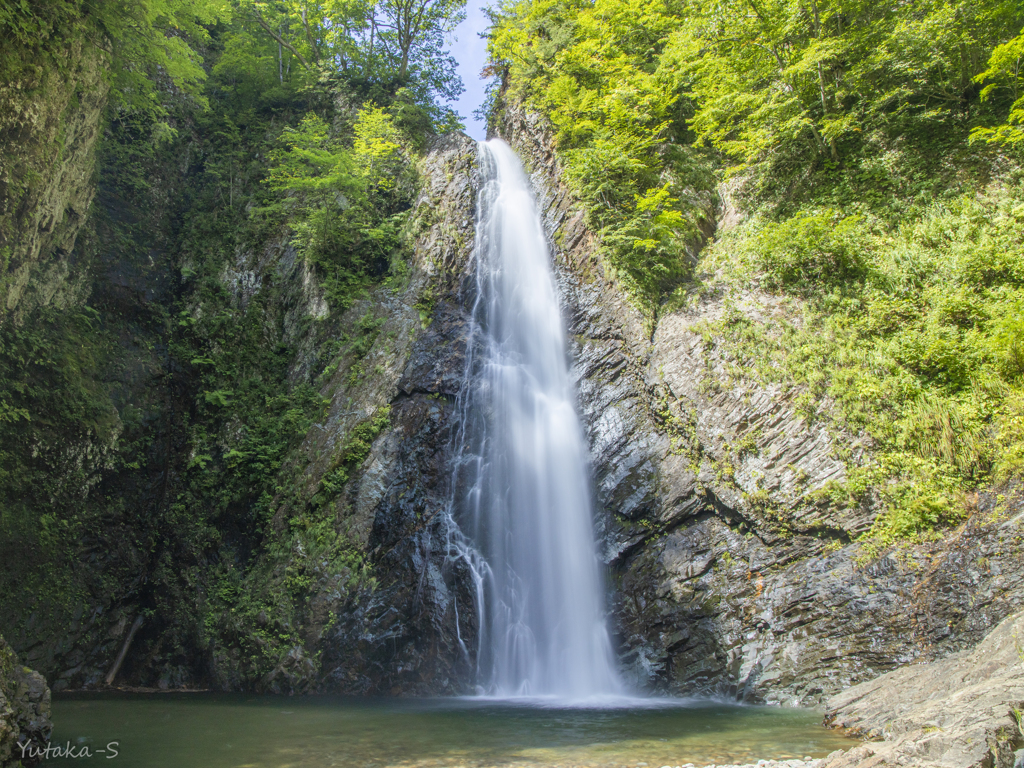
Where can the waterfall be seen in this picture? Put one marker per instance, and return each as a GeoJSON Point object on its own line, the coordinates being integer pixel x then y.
{"type": "Point", "coordinates": [522, 491]}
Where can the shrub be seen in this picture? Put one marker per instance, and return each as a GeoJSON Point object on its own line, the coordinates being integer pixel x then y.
{"type": "Point", "coordinates": [812, 250]}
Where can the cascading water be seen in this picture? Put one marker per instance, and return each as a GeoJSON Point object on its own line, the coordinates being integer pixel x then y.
{"type": "Point", "coordinates": [522, 491]}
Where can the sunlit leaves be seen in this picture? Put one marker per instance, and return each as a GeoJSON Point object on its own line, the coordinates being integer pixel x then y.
{"type": "Point", "coordinates": [379, 149]}
{"type": "Point", "coordinates": [157, 38]}
{"type": "Point", "coordinates": [1004, 73]}
{"type": "Point", "coordinates": [605, 76]}
{"type": "Point", "coordinates": [344, 195]}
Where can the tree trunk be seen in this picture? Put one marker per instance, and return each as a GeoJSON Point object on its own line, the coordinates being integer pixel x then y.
{"type": "Point", "coordinates": [280, 40]}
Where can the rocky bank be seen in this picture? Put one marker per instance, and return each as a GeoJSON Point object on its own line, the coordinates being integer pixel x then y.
{"type": "Point", "coordinates": [24, 709]}
{"type": "Point", "coordinates": [962, 711]}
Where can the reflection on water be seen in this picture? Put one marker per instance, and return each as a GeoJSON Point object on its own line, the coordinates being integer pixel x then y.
{"type": "Point", "coordinates": [237, 731]}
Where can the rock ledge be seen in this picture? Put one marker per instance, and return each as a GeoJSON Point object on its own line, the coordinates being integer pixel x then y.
{"type": "Point", "coordinates": [961, 712]}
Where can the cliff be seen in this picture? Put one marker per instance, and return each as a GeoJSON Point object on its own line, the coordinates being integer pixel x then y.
{"type": "Point", "coordinates": [351, 587]}
{"type": "Point", "coordinates": [402, 623]}
{"type": "Point", "coordinates": [229, 460]}
{"type": "Point", "coordinates": [49, 130]}
{"type": "Point", "coordinates": [730, 575]}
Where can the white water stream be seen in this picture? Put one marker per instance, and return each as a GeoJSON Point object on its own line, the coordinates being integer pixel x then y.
{"type": "Point", "coordinates": [522, 488]}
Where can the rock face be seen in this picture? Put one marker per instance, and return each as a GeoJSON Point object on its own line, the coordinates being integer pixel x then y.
{"type": "Point", "coordinates": [725, 578]}
{"type": "Point", "coordinates": [411, 630]}
{"type": "Point", "coordinates": [49, 127]}
{"type": "Point", "coordinates": [24, 709]}
{"type": "Point", "coordinates": [728, 574]}
{"type": "Point", "coordinates": [962, 712]}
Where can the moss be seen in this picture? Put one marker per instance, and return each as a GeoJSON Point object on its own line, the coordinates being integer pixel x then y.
{"type": "Point", "coordinates": [352, 454]}
{"type": "Point", "coordinates": [682, 431]}
{"type": "Point", "coordinates": [8, 659]}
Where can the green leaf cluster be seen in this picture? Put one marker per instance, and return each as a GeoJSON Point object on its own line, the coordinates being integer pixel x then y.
{"type": "Point", "coordinates": [345, 198]}
{"type": "Point", "coordinates": [783, 90]}
{"type": "Point", "coordinates": [601, 74]}
{"type": "Point", "coordinates": [805, 77]}
{"type": "Point", "coordinates": [148, 43]}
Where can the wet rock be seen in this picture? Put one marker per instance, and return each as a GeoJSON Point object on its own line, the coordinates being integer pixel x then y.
{"type": "Point", "coordinates": [24, 708]}
{"type": "Point", "coordinates": [293, 674]}
{"type": "Point", "coordinates": [411, 631]}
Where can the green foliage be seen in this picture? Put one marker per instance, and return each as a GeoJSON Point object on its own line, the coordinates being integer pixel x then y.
{"type": "Point", "coordinates": [810, 251]}
{"type": "Point", "coordinates": [255, 617]}
{"type": "Point", "coordinates": [1004, 75]}
{"type": "Point", "coordinates": [156, 39]}
{"type": "Point", "coordinates": [30, 30]}
{"type": "Point", "coordinates": [150, 447]}
{"type": "Point", "coordinates": [794, 90]}
{"type": "Point", "coordinates": [1010, 461]}
{"type": "Point", "coordinates": [353, 453]}
{"type": "Point", "coordinates": [891, 243]}
{"type": "Point", "coordinates": [600, 73]}
{"type": "Point", "coordinates": [784, 77]}
{"type": "Point", "coordinates": [346, 199]}
{"type": "Point", "coordinates": [911, 515]}
{"type": "Point", "coordinates": [148, 41]}
{"type": "Point", "coordinates": [48, 386]}
{"type": "Point", "coordinates": [1017, 714]}
{"type": "Point", "coordinates": [7, 661]}
{"type": "Point", "coordinates": [54, 406]}
{"type": "Point", "coordinates": [909, 330]}
{"type": "Point", "coordinates": [333, 178]}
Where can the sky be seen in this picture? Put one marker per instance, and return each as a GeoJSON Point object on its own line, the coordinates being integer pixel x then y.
{"type": "Point", "coordinates": [471, 54]}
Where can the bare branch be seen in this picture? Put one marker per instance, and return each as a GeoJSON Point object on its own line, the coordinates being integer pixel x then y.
{"type": "Point", "coordinates": [280, 40]}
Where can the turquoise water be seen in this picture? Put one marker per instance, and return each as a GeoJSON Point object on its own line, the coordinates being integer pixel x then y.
{"type": "Point", "coordinates": [202, 730]}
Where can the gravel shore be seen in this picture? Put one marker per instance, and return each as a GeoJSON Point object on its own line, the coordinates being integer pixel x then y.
{"type": "Point", "coordinates": [807, 762]}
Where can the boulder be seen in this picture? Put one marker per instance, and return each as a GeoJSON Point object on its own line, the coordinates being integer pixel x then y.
{"type": "Point", "coordinates": [963, 711]}
{"type": "Point", "coordinates": [24, 709]}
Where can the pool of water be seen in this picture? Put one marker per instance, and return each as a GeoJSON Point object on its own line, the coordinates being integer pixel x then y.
{"type": "Point", "coordinates": [202, 730]}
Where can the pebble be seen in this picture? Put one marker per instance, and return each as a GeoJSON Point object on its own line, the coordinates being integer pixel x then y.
{"type": "Point", "coordinates": [807, 762]}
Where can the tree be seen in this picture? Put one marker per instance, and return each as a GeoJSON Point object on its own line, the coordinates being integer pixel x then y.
{"type": "Point", "coordinates": [145, 39]}
{"type": "Point", "coordinates": [802, 76]}
{"type": "Point", "coordinates": [393, 42]}
{"type": "Point", "coordinates": [412, 32]}
{"type": "Point", "coordinates": [1004, 74]}
{"type": "Point", "coordinates": [315, 33]}
{"type": "Point", "coordinates": [600, 73]}
{"type": "Point", "coordinates": [344, 200]}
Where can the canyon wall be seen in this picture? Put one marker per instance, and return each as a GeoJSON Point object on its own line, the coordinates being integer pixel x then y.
{"type": "Point", "coordinates": [727, 573]}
